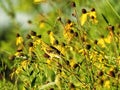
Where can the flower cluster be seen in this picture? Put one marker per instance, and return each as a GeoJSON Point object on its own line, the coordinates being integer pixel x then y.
{"type": "Point", "coordinates": [74, 63]}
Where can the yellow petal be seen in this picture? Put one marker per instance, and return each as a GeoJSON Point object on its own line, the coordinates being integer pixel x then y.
{"type": "Point", "coordinates": [108, 39]}
{"type": "Point", "coordinates": [92, 14]}
{"type": "Point", "coordinates": [39, 1]}
{"type": "Point", "coordinates": [19, 40]}
{"type": "Point", "coordinates": [83, 18]}
{"type": "Point", "coordinates": [107, 84]}
{"type": "Point", "coordinates": [101, 42]}
{"type": "Point", "coordinates": [42, 25]}
{"type": "Point", "coordinates": [52, 38]}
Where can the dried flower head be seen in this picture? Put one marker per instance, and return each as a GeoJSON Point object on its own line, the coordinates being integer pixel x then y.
{"type": "Point", "coordinates": [30, 44]}
{"type": "Point", "coordinates": [112, 73]}
{"type": "Point", "coordinates": [93, 9]}
{"type": "Point", "coordinates": [73, 4]}
{"type": "Point", "coordinates": [84, 11]}
{"type": "Point", "coordinates": [33, 33]}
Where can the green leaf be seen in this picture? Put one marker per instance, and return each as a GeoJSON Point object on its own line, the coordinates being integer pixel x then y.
{"type": "Point", "coordinates": [33, 82]}
{"type": "Point", "coordinates": [31, 72]}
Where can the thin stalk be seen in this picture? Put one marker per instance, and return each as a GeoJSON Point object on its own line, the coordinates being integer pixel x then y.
{"type": "Point", "coordinates": [113, 9]}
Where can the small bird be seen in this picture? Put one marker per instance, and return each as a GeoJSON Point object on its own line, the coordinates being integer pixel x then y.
{"type": "Point", "coordinates": [51, 50]}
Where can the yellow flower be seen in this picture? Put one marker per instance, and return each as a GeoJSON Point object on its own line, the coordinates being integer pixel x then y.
{"type": "Point", "coordinates": [72, 63]}
{"type": "Point", "coordinates": [37, 41]}
{"type": "Point", "coordinates": [92, 15]}
{"type": "Point", "coordinates": [101, 43]}
{"type": "Point", "coordinates": [31, 48]}
{"type": "Point", "coordinates": [19, 40]}
{"type": "Point", "coordinates": [48, 61]}
{"type": "Point", "coordinates": [18, 70]}
{"type": "Point", "coordinates": [83, 17]}
{"type": "Point", "coordinates": [69, 31]}
{"type": "Point", "coordinates": [107, 84]}
{"type": "Point", "coordinates": [25, 63]}
{"type": "Point", "coordinates": [39, 1]}
{"type": "Point", "coordinates": [108, 39]}
{"type": "Point", "coordinates": [42, 25]}
{"type": "Point", "coordinates": [52, 38]}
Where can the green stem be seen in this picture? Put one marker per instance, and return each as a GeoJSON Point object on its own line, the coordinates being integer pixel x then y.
{"type": "Point", "coordinates": [113, 9]}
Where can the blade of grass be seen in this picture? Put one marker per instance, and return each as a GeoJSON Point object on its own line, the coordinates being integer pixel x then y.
{"type": "Point", "coordinates": [113, 9]}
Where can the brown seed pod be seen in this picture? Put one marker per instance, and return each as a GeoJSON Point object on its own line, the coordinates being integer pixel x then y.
{"type": "Point", "coordinates": [68, 21]}
{"type": "Point", "coordinates": [17, 35]}
{"type": "Point", "coordinates": [71, 31]}
{"type": "Point", "coordinates": [75, 65]}
{"type": "Point", "coordinates": [72, 85]}
{"type": "Point", "coordinates": [110, 27]}
{"type": "Point", "coordinates": [96, 41]}
{"type": "Point", "coordinates": [112, 73]}
{"type": "Point", "coordinates": [59, 18]}
{"type": "Point", "coordinates": [33, 33]}
{"type": "Point", "coordinates": [29, 22]}
{"type": "Point", "coordinates": [39, 36]}
{"type": "Point", "coordinates": [76, 34]}
{"type": "Point", "coordinates": [84, 11]}
{"type": "Point", "coordinates": [51, 89]}
{"type": "Point", "coordinates": [93, 9]}
{"type": "Point", "coordinates": [19, 49]}
{"type": "Point", "coordinates": [30, 44]}
{"type": "Point", "coordinates": [12, 57]}
{"type": "Point", "coordinates": [88, 47]}
{"type": "Point", "coordinates": [46, 55]}
{"type": "Point", "coordinates": [101, 73]}
{"type": "Point", "coordinates": [73, 4]}
{"type": "Point", "coordinates": [28, 36]}
{"type": "Point", "coordinates": [101, 82]}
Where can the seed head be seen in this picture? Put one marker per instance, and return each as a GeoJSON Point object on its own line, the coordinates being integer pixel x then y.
{"type": "Point", "coordinates": [84, 11]}
{"type": "Point", "coordinates": [73, 4]}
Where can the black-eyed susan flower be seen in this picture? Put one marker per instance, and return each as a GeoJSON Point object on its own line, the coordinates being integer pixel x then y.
{"type": "Point", "coordinates": [37, 40]}
{"type": "Point", "coordinates": [31, 47]}
{"type": "Point", "coordinates": [42, 25]}
{"type": "Point", "coordinates": [33, 34]}
{"type": "Point", "coordinates": [93, 16]}
{"type": "Point", "coordinates": [101, 42]}
{"type": "Point", "coordinates": [19, 39]}
{"type": "Point", "coordinates": [69, 31]}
